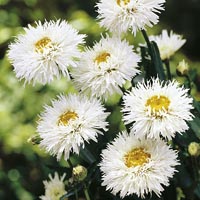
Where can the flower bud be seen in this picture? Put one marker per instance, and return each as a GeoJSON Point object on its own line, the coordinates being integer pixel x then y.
{"type": "Point", "coordinates": [194, 149]}
{"type": "Point", "coordinates": [34, 139]}
{"type": "Point", "coordinates": [182, 68]}
{"type": "Point", "coordinates": [79, 173]}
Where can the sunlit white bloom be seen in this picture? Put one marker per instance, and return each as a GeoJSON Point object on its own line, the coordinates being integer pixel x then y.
{"type": "Point", "coordinates": [55, 188]}
{"type": "Point", "coordinates": [121, 15]}
{"type": "Point", "coordinates": [168, 44]}
{"type": "Point", "coordinates": [104, 68]}
{"type": "Point", "coordinates": [45, 51]}
{"type": "Point", "coordinates": [69, 122]}
{"type": "Point", "coordinates": [157, 108]}
{"type": "Point", "coordinates": [137, 166]}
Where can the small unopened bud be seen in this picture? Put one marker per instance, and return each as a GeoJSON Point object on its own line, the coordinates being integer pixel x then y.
{"type": "Point", "coordinates": [79, 173]}
{"type": "Point", "coordinates": [194, 149]}
{"type": "Point", "coordinates": [182, 68]}
{"type": "Point", "coordinates": [34, 139]}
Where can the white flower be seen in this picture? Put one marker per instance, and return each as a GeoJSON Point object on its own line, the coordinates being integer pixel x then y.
{"type": "Point", "coordinates": [55, 188]}
{"type": "Point", "coordinates": [69, 122]}
{"type": "Point", "coordinates": [121, 15]}
{"type": "Point", "coordinates": [168, 44]}
{"type": "Point", "coordinates": [104, 68]}
{"type": "Point", "coordinates": [157, 108]}
{"type": "Point", "coordinates": [45, 51]}
{"type": "Point", "coordinates": [137, 166]}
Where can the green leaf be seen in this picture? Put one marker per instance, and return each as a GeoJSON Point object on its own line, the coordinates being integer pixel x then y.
{"type": "Point", "coordinates": [184, 176]}
{"type": "Point", "coordinates": [72, 192]}
{"type": "Point", "coordinates": [195, 126]}
{"type": "Point", "coordinates": [197, 190]}
{"type": "Point", "coordinates": [157, 62]}
{"type": "Point", "coordinates": [146, 63]}
{"type": "Point", "coordinates": [86, 155]}
{"type": "Point", "coordinates": [196, 105]}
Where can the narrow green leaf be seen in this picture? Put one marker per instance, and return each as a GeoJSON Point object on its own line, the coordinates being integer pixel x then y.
{"type": "Point", "coordinates": [71, 192]}
{"type": "Point", "coordinates": [196, 105]}
{"type": "Point", "coordinates": [157, 62]}
{"type": "Point", "coordinates": [197, 190]}
{"type": "Point", "coordinates": [195, 126]}
{"type": "Point", "coordinates": [86, 155]}
{"type": "Point", "coordinates": [146, 63]}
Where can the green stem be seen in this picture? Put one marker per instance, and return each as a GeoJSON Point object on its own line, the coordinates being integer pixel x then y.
{"type": "Point", "coordinates": [168, 69]}
{"type": "Point", "coordinates": [86, 192]}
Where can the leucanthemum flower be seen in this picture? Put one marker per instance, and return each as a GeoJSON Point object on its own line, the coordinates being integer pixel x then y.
{"type": "Point", "coordinates": [54, 188]}
{"type": "Point", "coordinates": [45, 51]}
{"type": "Point", "coordinates": [69, 122]}
{"type": "Point", "coordinates": [137, 166]}
{"type": "Point", "coordinates": [157, 108]}
{"type": "Point", "coordinates": [168, 44]}
{"type": "Point", "coordinates": [121, 15]}
{"type": "Point", "coordinates": [104, 68]}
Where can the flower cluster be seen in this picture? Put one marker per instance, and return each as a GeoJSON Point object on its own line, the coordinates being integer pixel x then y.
{"type": "Point", "coordinates": [139, 160]}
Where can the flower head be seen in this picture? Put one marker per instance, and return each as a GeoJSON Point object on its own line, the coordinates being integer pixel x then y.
{"type": "Point", "coordinates": [121, 15]}
{"type": "Point", "coordinates": [45, 51]}
{"type": "Point", "coordinates": [69, 122]}
{"type": "Point", "coordinates": [104, 68]}
{"type": "Point", "coordinates": [168, 44]}
{"type": "Point", "coordinates": [137, 166]}
{"type": "Point", "coordinates": [157, 108]}
{"type": "Point", "coordinates": [55, 188]}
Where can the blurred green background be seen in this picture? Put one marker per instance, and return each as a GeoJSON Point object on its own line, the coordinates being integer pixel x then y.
{"type": "Point", "coordinates": [23, 166]}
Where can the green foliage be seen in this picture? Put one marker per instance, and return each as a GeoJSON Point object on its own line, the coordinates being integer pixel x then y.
{"type": "Point", "coordinates": [23, 166]}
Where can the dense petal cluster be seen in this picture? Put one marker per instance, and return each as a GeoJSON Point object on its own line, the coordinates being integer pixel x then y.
{"type": "Point", "coordinates": [55, 188]}
{"type": "Point", "coordinates": [69, 122]}
{"type": "Point", "coordinates": [122, 15]}
{"type": "Point", "coordinates": [137, 166]}
{"type": "Point", "coordinates": [168, 44]}
{"type": "Point", "coordinates": [156, 108]}
{"type": "Point", "coordinates": [45, 51]}
{"type": "Point", "coordinates": [104, 68]}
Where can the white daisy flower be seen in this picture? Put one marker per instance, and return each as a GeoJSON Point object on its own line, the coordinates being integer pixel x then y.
{"type": "Point", "coordinates": [121, 15]}
{"type": "Point", "coordinates": [104, 68]}
{"type": "Point", "coordinates": [137, 166]}
{"type": "Point", "coordinates": [45, 51]}
{"type": "Point", "coordinates": [157, 108]}
{"type": "Point", "coordinates": [55, 188]}
{"type": "Point", "coordinates": [168, 44]}
{"type": "Point", "coordinates": [69, 122]}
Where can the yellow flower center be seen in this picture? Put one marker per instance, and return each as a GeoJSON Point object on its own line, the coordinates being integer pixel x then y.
{"type": "Point", "coordinates": [136, 157]}
{"type": "Point", "coordinates": [41, 44]}
{"type": "Point", "coordinates": [66, 117]}
{"type": "Point", "coordinates": [158, 103]}
{"type": "Point", "coordinates": [102, 57]}
{"type": "Point", "coordinates": [125, 2]}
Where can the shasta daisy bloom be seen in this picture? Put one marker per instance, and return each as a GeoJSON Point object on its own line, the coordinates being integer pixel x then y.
{"type": "Point", "coordinates": [157, 108]}
{"type": "Point", "coordinates": [55, 188]}
{"type": "Point", "coordinates": [69, 122]}
{"type": "Point", "coordinates": [104, 68]}
{"type": "Point", "coordinates": [45, 51]}
{"type": "Point", "coordinates": [137, 166]}
{"type": "Point", "coordinates": [122, 15]}
{"type": "Point", "coordinates": [168, 44]}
